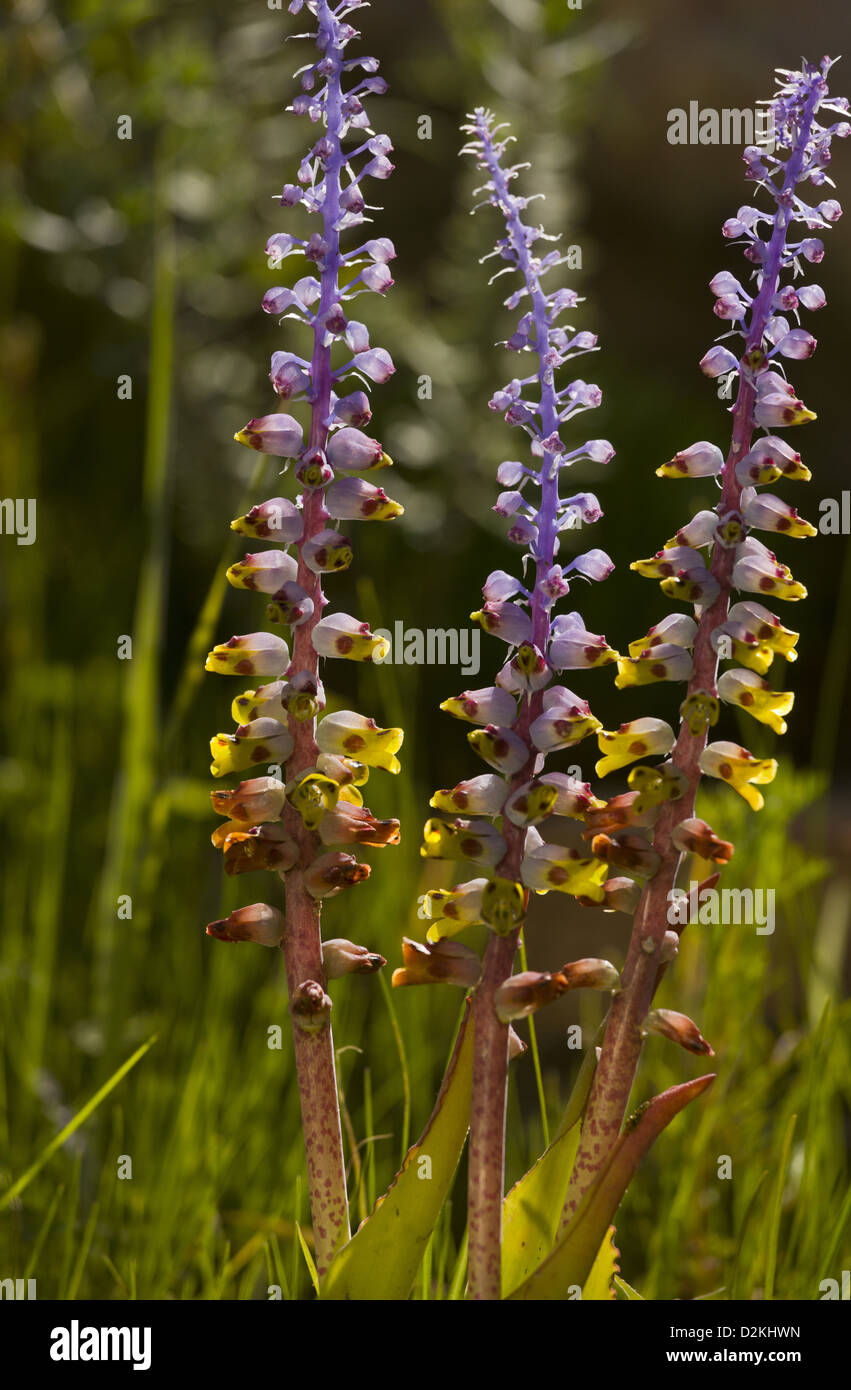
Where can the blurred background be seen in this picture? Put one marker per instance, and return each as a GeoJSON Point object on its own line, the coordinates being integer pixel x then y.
{"type": "Point", "coordinates": [143, 257]}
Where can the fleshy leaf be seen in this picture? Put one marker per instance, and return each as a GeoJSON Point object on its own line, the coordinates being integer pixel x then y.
{"type": "Point", "coordinates": [598, 1286]}
{"type": "Point", "coordinates": [626, 1291]}
{"type": "Point", "coordinates": [382, 1258]}
{"type": "Point", "coordinates": [532, 1208]}
{"type": "Point", "coordinates": [574, 1255]}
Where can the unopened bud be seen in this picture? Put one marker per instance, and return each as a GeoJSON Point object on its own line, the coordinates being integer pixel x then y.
{"type": "Point", "coordinates": [679, 1028]}
{"type": "Point", "coordinates": [443, 963]}
{"type": "Point", "coordinates": [341, 957]}
{"type": "Point", "coordinates": [310, 1007]}
{"type": "Point", "coordinates": [259, 923]}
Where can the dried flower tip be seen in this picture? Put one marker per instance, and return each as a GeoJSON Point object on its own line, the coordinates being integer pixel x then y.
{"type": "Point", "coordinates": [355, 737]}
{"type": "Point", "coordinates": [628, 851]}
{"type": "Point", "coordinates": [680, 1029]}
{"type": "Point", "coordinates": [695, 836]}
{"type": "Point", "coordinates": [442, 963]}
{"type": "Point", "coordinates": [259, 923]}
{"type": "Point", "coordinates": [347, 824]}
{"type": "Point", "coordinates": [259, 847]}
{"type": "Point", "coordinates": [523, 994]}
{"type": "Point", "coordinates": [310, 1007]}
{"type": "Point", "coordinates": [638, 738]}
{"type": "Point", "coordinates": [257, 800]}
{"type": "Point", "coordinates": [341, 957]}
{"type": "Point", "coordinates": [740, 769]}
{"type": "Point", "coordinates": [332, 872]}
{"type": "Point", "coordinates": [591, 973]}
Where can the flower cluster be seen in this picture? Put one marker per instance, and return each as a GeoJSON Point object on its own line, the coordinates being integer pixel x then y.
{"type": "Point", "coordinates": [715, 557]}
{"type": "Point", "coordinates": [718, 551]}
{"type": "Point", "coordinates": [306, 815]}
{"type": "Point", "coordinates": [494, 820]}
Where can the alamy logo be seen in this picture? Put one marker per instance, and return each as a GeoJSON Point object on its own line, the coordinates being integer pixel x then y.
{"type": "Point", "coordinates": [76, 1343]}
{"type": "Point", "coordinates": [728, 126]}
{"type": "Point", "coordinates": [436, 646]}
{"type": "Point", "coordinates": [17, 518]}
{"type": "Point", "coordinates": [712, 907]}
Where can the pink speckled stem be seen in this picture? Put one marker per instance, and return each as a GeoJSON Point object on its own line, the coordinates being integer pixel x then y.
{"type": "Point", "coordinates": [314, 1052]}
{"type": "Point", "coordinates": [615, 1074]}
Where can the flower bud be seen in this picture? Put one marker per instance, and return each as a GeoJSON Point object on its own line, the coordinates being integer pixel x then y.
{"type": "Point", "coordinates": [479, 796]}
{"type": "Point", "coordinates": [255, 654]}
{"type": "Point", "coordinates": [266, 572]}
{"type": "Point", "coordinates": [310, 1007]}
{"type": "Point", "coordinates": [680, 1029]}
{"type": "Point", "coordinates": [275, 520]}
{"type": "Point", "coordinates": [701, 460]}
{"type": "Point", "coordinates": [312, 794]}
{"type": "Point", "coordinates": [503, 905]}
{"type": "Point", "coordinates": [290, 375]}
{"type": "Point", "coordinates": [573, 648]}
{"type": "Point", "coordinates": [354, 499]}
{"type": "Point", "coordinates": [259, 923]}
{"type": "Point", "coordinates": [490, 705]}
{"type": "Point", "coordinates": [342, 957]}
{"type": "Point", "coordinates": [375, 364]}
{"type": "Point", "coordinates": [507, 621]}
{"type": "Point", "coordinates": [522, 994]}
{"type": "Point", "coordinates": [290, 606]}
{"type": "Point", "coordinates": [279, 435]}
{"type": "Point", "coordinates": [590, 973]}
{"type": "Point", "coordinates": [621, 895]}
{"type": "Point", "coordinates": [700, 710]}
{"type": "Point", "coordinates": [351, 449]}
{"type": "Point", "coordinates": [327, 552]}
{"type": "Point", "coordinates": [500, 747]}
{"type": "Point", "coordinates": [352, 410]}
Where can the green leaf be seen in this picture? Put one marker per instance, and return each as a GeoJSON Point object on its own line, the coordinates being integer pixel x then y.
{"type": "Point", "coordinates": [598, 1285]}
{"type": "Point", "coordinates": [573, 1258]}
{"type": "Point", "coordinates": [627, 1291]}
{"type": "Point", "coordinates": [382, 1258]}
{"type": "Point", "coordinates": [532, 1209]}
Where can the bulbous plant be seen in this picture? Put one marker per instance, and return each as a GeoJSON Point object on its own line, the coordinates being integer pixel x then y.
{"type": "Point", "coordinates": [303, 823]}
{"type": "Point", "coordinates": [550, 1236]}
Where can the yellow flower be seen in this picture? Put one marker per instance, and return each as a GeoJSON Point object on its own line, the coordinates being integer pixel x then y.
{"type": "Point", "coordinates": [354, 736]}
{"type": "Point", "coordinates": [740, 768]}
{"type": "Point", "coordinates": [636, 739]}
{"type": "Point", "coordinates": [752, 693]}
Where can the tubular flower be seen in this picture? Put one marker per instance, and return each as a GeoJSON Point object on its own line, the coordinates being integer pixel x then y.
{"type": "Point", "coordinates": [636, 739]}
{"type": "Point", "coordinates": [752, 693]}
{"type": "Point", "coordinates": [319, 429]}
{"type": "Point", "coordinates": [740, 768]}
